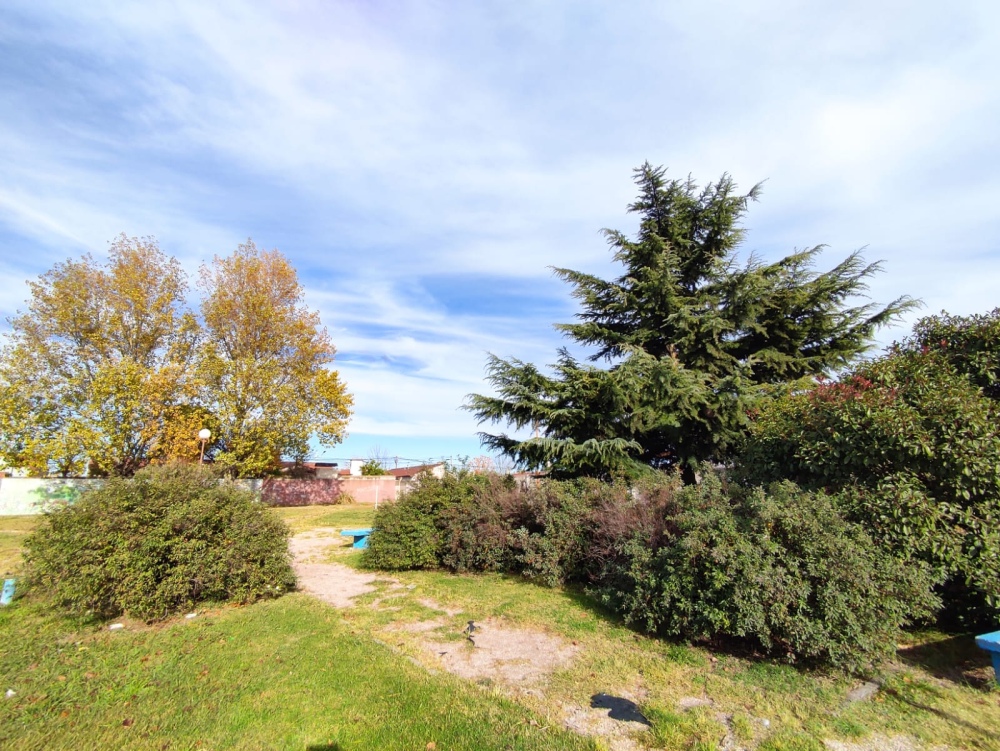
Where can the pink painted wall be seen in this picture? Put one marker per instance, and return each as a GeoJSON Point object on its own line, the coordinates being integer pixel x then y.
{"type": "Point", "coordinates": [281, 492]}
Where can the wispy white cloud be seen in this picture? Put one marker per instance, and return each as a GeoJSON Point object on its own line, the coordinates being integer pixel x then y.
{"type": "Point", "coordinates": [384, 147]}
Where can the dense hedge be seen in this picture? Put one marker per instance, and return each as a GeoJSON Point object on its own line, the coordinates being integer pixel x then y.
{"type": "Point", "coordinates": [782, 569]}
{"type": "Point", "coordinates": [157, 544]}
{"type": "Point", "coordinates": [470, 522]}
{"type": "Point", "coordinates": [970, 343]}
{"type": "Point", "coordinates": [911, 445]}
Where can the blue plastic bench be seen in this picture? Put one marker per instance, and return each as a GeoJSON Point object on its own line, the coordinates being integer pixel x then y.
{"type": "Point", "coordinates": [991, 643]}
{"type": "Point", "coordinates": [360, 536]}
{"type": "Point", "coordinates": [8, 592]}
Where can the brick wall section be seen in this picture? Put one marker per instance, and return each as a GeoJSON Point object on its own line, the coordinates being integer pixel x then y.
{"type": "Point", "coordinates": [280, 492]}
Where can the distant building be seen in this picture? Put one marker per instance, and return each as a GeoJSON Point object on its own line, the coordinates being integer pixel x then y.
{"type": "Point", "coordinates": [310, 470]}
{"type": "Point", "coordinates": [405, 476]}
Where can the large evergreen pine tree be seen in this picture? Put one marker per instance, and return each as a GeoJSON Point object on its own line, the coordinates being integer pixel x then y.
{"type": "Point", "coordinates": [689, 335]}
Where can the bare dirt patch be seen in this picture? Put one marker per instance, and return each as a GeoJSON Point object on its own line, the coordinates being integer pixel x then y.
{"type": "Point", "coordinates": [518, 660]}
{"type": "Point", "coordinates": [314, 545]}
{"type": "Point", "coordinates": [875, 743]}
{"type": "Point", "coordinates": [514, 657]}
{"type": "Point", "coordinates": [332, 583]}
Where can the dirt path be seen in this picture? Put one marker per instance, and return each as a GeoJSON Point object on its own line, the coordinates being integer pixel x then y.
{"type": "Point", "coordinates": [332, 583]}
{"type": "Point", "coordinates": [519, 660]}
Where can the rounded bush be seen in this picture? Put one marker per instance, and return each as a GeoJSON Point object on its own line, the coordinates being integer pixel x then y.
{"type": "Point", "coordinates": [409, 534]}
{"type": "Point", "coordinates": [779, 568]}
{"type": "Point", "coordinates": [157, 544]}
{"type": "Point", "coordinates": [484, 522]}
{"type": "Point", "coordinates": [912, 448]}
{"type": "Point", "coordinates": [538, 532]}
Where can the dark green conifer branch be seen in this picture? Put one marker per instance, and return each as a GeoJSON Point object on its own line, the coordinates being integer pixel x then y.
{"type": "Point", "coordinates": [690, 336]}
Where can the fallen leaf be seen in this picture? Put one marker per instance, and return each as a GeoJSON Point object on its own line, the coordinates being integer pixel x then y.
{"type": "Point", "coordinates": [61, 678]}
{"type": "Point", "coordinates": [127, 723]}
{"type": "Point", "coordinates": [431, 746]}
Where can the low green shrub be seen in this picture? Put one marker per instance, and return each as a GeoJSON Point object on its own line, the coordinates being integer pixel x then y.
{"type": "Point", "coordinates": [486, 522]}
{"type": "Point", "coordinates": [158, 543]}
{"type": "Point", "coordinates": [410, 533]}
{"type": "Point", "coordinates": [539, 532]}
{"type": "Point", "coordinates": [779, 568]}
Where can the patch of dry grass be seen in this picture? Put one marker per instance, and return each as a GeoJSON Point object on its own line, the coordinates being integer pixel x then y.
{"type": "Point", "coordinates": [13, 530]}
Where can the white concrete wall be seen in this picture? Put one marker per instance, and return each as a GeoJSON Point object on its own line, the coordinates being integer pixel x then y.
{"type": "Point", "coordinates": [31, 495]}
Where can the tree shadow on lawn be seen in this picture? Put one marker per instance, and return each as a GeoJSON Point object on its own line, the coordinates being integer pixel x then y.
{"type": "Point", "coordinates": [684, 651]}
{"type": "Point", "coordinates": [575, 593]}
{"type": "Point", "coordinates": [619, 708]}
{"type": "Point", "coordinates": [910, 698]}
{"type": "Point", "coordinates": [954, 658]}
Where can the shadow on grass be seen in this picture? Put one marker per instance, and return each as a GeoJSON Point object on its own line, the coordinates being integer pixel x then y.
{"type": "Point", "coordinates": [331, 746]}
{"type": "Point", "coordinates": [576, 594]}
{"type": "Point", "coordinates": [619, 709]}
{"type": "Point", "coordinates": [939, 712]}
{"type": "Point", "coordinates": [953, 658]}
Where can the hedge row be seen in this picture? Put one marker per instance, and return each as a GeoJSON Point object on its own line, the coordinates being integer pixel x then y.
{"type": "Point", "coordinates": [780, 569]}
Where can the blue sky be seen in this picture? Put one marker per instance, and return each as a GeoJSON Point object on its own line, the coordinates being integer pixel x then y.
{"type": "Point", "coordinates": [424, 164]}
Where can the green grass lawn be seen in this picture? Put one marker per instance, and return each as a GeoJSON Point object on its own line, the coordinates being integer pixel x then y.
{"type": "Point", "coordinates": [12, 532]}
{"type": "Point", "coordinates": [302, 518]}
{"type": "Point", "coordinates": [296, 674]}
{"type": "Point", "coordinates": [285, 674]}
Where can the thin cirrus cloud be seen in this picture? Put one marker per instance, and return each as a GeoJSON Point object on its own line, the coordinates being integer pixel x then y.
{"type": "Point", "coordinates": [423, 165]}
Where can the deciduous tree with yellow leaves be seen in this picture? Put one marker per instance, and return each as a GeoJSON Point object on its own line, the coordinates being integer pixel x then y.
{"type": "Point", "coordinates": [97, 364]}
{"type": "Point", "coordinates": [108, 366]}
{"type": "Point", "coordinates": [263, 363]}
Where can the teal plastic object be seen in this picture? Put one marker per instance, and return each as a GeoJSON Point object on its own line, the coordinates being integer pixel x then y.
{"type": "Point", "coordinates": [991, 643]}
{"type": "Point", "coordinates": [360, 536]}
{"type": "Point", "coordinates": [8, 592]}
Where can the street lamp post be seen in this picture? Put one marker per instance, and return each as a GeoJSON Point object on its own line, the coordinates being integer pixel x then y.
{"type": "Point", "coordinates": [204, 434]}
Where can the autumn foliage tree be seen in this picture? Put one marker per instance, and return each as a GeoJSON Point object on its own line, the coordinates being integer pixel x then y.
{"type": "Point", "coordinates": [98, 364]}
{"type": "Point", "coordinates": [263, 364]}
{"type": "Point", "coordinates": [109, 366]}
